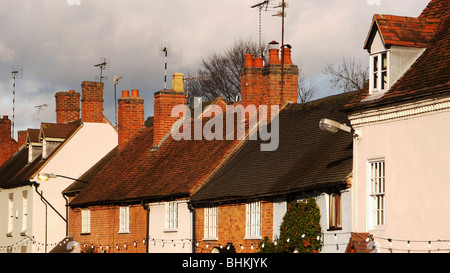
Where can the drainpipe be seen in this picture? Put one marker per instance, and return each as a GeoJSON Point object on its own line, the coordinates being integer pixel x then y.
{"type": "Point", "coordinates": [67, 215]}
{"type": "Point", "coordinates": [147, 208]}
{"type": "Point", "coordinates": [46, 203]}
{"type": "Point", "coordinates": [191, 208]}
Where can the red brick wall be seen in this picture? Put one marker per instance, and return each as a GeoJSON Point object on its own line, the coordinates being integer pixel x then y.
{"type": "Point", "coordinates": [105, 229]}
{"type": "Point", "coordinates": [163, 121]}
{"type": "Point", "coordinates": [231, 227]}
{"type": "Point", "coordinates": [130, 116]}
{"type": "Point", "coordinates": [92, 101]}
{"type": "Point", "coordinates": [67, 106]}
{"type": "Point", "coordinates": [8, 146]}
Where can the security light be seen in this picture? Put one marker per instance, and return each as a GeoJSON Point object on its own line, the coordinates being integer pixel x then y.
{"type": "Point", "coordinates": [47, 176]}
{"type": "Point", "coordinates": [334, 126]}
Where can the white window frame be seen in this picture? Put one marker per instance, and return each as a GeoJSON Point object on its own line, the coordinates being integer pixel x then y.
{"type": "Point", "coordinates": [85, 221]}
{"type": "Point", "coordinates": [379, 72]}
{"type": "Point", "coordinates": [124, 219]}
{"type": "Point", "coordinates": [253, 216]}
{"type": "Point", "coordinates": [171, 223]}
{"type": "Point", "coordinates": [376, 171]}
{"type": "Point", "coordinates": [211, 219]}
{"type": "Point", "coordinates": [24, 212]}
{"type": "Point", "coordinates": [10, 214]}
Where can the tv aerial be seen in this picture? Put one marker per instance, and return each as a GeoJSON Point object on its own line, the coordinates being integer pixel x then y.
{"type": "Point", "coordinates": [260, 6]}
{"type": "Point", "coordinates": [39, 108]}
{"type": "Point", "coordinates": [17, 73]}
{"type": "Point", "coordinates": [164, 51]}
{"type": "Point", "coordinates": [116, 82]}
{"type": "Point", "coordinates": [103, 65]}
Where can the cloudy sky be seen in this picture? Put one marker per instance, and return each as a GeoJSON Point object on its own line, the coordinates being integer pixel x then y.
{"type": "Point", "coordinates": [58, 42]}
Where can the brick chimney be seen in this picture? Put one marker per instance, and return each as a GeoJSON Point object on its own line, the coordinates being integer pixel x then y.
{"type": "Point", "coordinates": [263, 84]}
{"type": "Point", "coordinates": [252, 81]}
{"type": "Point", "coordinates": [8, 146]}
{"type": "Point", "coordinates": [130, 116]}
{"type": "Point", "coordinates": [92, 101]}
{"type": "Point", "coordinates": [165, 100]}
{"type": "Point", "coordinates": [21, 138]}
{"type": "Point", "coordinates": [67, 106]}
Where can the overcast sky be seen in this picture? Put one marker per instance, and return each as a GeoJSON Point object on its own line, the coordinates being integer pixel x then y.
{"type": "Point", "coordinates": [58, 42]}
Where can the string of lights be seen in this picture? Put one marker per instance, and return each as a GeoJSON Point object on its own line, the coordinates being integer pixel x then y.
{"type": "Point", "coordinates": [431, 244]}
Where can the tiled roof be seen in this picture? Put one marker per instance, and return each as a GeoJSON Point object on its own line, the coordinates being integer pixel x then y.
{"type": "Point", "coordinates": [140, 173]}
{"type": "Point", "coordinates": [429, 74]}
{"type": "Point", "coordinates": [17, 171]}
{"type": "Point", "coordinates": [58, 130]}
{"type": "Point", "coordinates": [403, 31]}
{"type": "Point", "coordinates": [307, 158]}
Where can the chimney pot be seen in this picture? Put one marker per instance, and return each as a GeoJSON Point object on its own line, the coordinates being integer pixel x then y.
{"type": "Point", "coordinates": [125, 93]}
{"type": "Point", "coordinates": [135, 93]}
{"type": "Point", "coordinates": [5, 117]}
{"type": "Point", "coordinates": [177, 82]}
{"type": "Point", "coordinates": [248, 60]}
{"type": "Point", "coordinates": [258, 62]}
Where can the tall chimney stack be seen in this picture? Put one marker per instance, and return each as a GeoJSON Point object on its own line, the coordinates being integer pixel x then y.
{"type": "Point", "coordinates": [67, 106]}
{"type": "Point", "coordinates": [252, 81]}
{"type": "Point", "coordinates": [8, 146]}
{"type": "Point", "coordinates": [165, 100]}
{"type": "Point", "coordinates": [280, 89]}
{"type": "Point", "coordinates": [130, 116]}
{"type": "Point", "coordinates": [92, 101]}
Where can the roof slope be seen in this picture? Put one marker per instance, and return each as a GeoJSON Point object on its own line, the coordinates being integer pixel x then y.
{"type": "Point", "coordinates": [138, 173]}
{"type": "Point", "coordinates": [430, 73]}
{"type": "Point", "coordinates": [307, 158]}
{"type": "Point", "coordinates": [403, 31]}
{"type": "Point", "coordinates": [17, 171]}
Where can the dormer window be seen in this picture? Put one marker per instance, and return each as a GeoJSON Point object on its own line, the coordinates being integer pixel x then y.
{"type": "Point", "coordinates": [379, 72]}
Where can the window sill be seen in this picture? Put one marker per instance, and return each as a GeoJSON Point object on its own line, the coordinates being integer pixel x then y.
{"type": "Point", "coordinates": [9, 234]}
{"type": "Point", "coordinates": [23, 233]}
{"type": "Point", "coordinates": [124, 232]}
{"type": "Point", "coordinates": [85, 233]}
{"type": "Point", "coordinates": [253, 238]}
{"type": "Point", "coordinates": [170, 230]}
{"type": "Point", "coordinates": [334, 228]}
{"type": "Point", "coordinates": [210, 239]}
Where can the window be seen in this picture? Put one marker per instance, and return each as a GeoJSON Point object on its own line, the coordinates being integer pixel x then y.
{"type": "Point", "coordinates": [335, 211]}
{"type": "Point", "coordinates": [211, 219]}
{"type": "Point", "coordinates": [24, 212]}
{"type": "Point", "coordinates": [253, 220]}
{"type": "Point", "coordinates": [171, 216]}
{"type": "Point", "coordinates": [124, 219]}
{"type": "Point", "coordinates": [10, 213]}
{"type": "Point", "coordinates": [377, 193]}
{"type": "Point", "coordinates": [85, 221]}
{"type": "Point", "coordinates": [379, 72]}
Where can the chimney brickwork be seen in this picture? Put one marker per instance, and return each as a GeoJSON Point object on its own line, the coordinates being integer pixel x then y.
{"type": "Point", "coordinates": [92, 101]}
{"type": "Point", "coordinates": [67, 106]}
{"type": "Point", "coordinates": [8, 146]}
{"type": "Point", "coordinates": [130, 116]}
{"type": "Point", "coordinates": [264, 84]}
{"type": "Point", "coordinates": [165, 100]}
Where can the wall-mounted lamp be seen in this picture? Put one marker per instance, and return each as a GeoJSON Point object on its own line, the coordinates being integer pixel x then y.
{"type": "Point", "coordinates": [334, 126]}
{"type": "Point", "coordinates": [47, 176]}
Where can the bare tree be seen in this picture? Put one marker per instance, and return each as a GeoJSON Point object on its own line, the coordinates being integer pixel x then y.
{"type": "Point", "coordinates": [348, 76]}
{"type": "Point", "coordinates": [306, 89]}
{"type": "Point", "coordinates": [219, 74]}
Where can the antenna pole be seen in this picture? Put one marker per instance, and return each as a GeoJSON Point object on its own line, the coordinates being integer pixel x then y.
{"type": "Point", "coordinates": [165, 49]}
{"type": "Point", "coordinates": [116, 82]}
{"type": "Point", "coordinates": [14, 75]}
